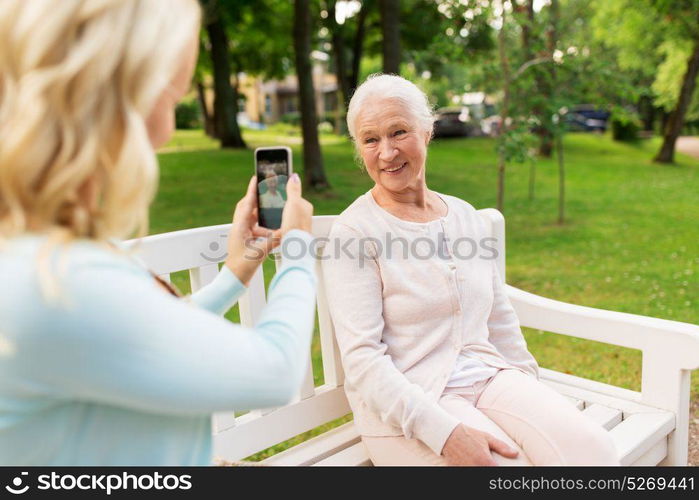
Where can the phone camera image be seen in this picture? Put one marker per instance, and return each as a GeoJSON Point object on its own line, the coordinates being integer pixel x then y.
{"type": "Point", "coordinates": [272, 176]}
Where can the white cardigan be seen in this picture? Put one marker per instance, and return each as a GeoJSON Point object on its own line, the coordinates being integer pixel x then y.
{"type": "Point", "coordinates": [405, 299]}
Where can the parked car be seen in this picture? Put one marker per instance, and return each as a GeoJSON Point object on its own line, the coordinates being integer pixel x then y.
{"type": "Point", "coordinates": [491, 125]}
{"type": "Point", "coordinates": [455, 122]}
{"type": "Point", "coordinates": [586, 118]}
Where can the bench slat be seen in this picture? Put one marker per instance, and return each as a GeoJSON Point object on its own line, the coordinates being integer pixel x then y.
{"type": "Point", "coordinates": [317, 448]}
{"type": "Point", "coordinates": [355, 455]}
{"type": "Point", "coordinates": [308, 386]}
{"type": "Point", "coordinates": [589, 385]}
{"type": "Point", "coordinates": [605, 416]}
{"type": "Point", "coordinates": [260, 412]}
{"type": "Point", "coordinates": [182, 250]}
{"type": "Point", "coordinates": [626, 406]}
{"type": "Point", "coordinates": [639, 433]}
{"type": "Point", "coordinates": [578, 403]}
{"type": "Point", "coordinates": [253, 301]}
{"type": "Point", "coordinates": [332, 364]}
{"type": "Point", "coordinates": [202, 276]}
{"type": "Point", "coordinates": [254, 433]}
{"type": "Point", "coordinates": [222, 421]}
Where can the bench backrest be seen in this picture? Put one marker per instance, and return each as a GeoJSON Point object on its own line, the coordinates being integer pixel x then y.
{"type": "Point", "coordinates": [200, 251]}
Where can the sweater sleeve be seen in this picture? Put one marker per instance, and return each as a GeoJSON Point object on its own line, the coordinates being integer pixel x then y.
{"type": "Point", "coordinates": [354, 292]}
{"type": "Point", "coordinates": [125, 343]}
{"type": "Point", "coordinates": [219, 295]}
{"type": "Point", "coordinates": [504, 330]}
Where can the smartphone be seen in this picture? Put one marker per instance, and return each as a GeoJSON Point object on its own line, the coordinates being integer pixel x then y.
{"type": "Point", "coordinates": [273, 168]}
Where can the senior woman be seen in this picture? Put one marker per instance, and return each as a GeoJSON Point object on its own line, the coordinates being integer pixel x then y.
{"type": "Point", "coordinates": [437, 370]}
{"type": "Point", "coordinates": [99, 365]}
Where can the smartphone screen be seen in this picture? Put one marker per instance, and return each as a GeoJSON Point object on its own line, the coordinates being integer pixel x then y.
{"type": "Point", "coordinates": [273, 167]}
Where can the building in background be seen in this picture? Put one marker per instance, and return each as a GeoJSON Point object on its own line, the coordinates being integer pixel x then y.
{"type": "Point", "coordinates": [266, 102]}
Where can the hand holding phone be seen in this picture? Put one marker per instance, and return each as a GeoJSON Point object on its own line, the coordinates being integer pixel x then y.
{"type": "Point", "coordinates": [248, 243]}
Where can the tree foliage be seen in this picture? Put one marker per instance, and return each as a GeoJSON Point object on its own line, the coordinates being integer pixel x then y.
{"type": "Point", "coordinates": [659, 38]}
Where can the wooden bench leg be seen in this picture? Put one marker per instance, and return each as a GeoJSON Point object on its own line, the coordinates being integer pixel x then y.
{"type": "Point", "coordinates": [669, 389]}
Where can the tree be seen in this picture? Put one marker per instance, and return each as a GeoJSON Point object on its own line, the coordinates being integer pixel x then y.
{"type": "Point", "coordinates": [676, 119]}
{"type": "Point", "coordinates": [390, 28]}
{"type": "Point", "coordinates": [666, 86]}
{"type": "Point", "coordinates": [337, 32]}
{"type": "Point", "coordinates": [258, 34]}
{"type": "Point", "coordinates": [682, 19]}
{"type": "Point", "coordinates": [648, 33]}
{"type": "Point", "coordinates": [423, 45]}
{"type": "Point", "coordinates": [533, 49]}
{"type": "Point", "coordinates": [504, 107]}
{"type": "Point", "coordinates": [225, 96]}
{"type": "Point", "coordinates": [314, 173]}
{"type": "Point", "coordinates": [347, 39]}
{"type": "Point", "coordinates": [552, 35]}
{"type": "Point", "coordinates": [202, 69]}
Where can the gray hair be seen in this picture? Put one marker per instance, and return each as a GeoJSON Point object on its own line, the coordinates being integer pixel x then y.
{"type": "Point", "coordinates": [391, 87]}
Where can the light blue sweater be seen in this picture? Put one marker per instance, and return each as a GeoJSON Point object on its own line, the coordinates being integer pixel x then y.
{"type": "Point", "coordinates": [127, 374]}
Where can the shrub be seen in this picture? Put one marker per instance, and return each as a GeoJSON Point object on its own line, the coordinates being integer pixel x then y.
{"type": "Point", "coordinates": [326, 128]}
{"type": "Point", "coordinates": [291, 118]}
{"type": "Point", "coordinates": [188, 115]}
{"type": "Point", "coordinates": [625, 125]}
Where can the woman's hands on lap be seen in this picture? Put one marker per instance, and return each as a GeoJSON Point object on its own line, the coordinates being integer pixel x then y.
{"type": "Point", "coordinates": [248, 243]}
{"type": "Point", "coordinates": [469, 446]}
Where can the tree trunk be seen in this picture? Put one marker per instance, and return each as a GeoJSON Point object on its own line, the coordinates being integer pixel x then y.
{"type": "Point", "coordinates": [676, 118]}
{"type": "Point", "coordinates": [338, 40]}
{"type": "Point", "coordinates": [561, 172]}
{"type": "Point", "coordinates": [552, 37]}
{"type": "Point", "coordinates": [347, 68]}
{"type": "Point", "coordinates": [225, 98]}
{"type": "Point", "coordinates": [206, 114]}
{"type": "Point", "coordinates": [647, 112]}
{"type": "Point", "coordinates": [546, 89]}
{"type": "Point", "coordinates": [505, 67]}
{"type": "Point", "coordinates": [390, 28]}
{"type": "Point", "coordinates": [314, 174]}
{"type": "Point", "coordinates": [526, 26]}
{"type": "Point", "coordinates": [358, 46]}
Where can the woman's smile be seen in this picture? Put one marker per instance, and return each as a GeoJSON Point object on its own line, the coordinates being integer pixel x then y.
{"type": "Point", "coordinates": [395, 169]}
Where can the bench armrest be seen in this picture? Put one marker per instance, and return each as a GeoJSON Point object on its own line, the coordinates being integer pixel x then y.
{"type": "Point", "coordinates": [677, 342]}
{"type": "Point", "coordinates": [670, 350]}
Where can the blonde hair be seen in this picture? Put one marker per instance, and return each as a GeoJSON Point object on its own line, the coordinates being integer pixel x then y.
{"type": "Point", "coordinates": [78, 79]}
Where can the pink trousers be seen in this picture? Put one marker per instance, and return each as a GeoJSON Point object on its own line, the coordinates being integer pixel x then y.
{"type": "Point", "coordinates": [529, 416]}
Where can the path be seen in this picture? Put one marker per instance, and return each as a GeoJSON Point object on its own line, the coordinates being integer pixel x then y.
{"type": "Point", "coordinates": [688, 145]}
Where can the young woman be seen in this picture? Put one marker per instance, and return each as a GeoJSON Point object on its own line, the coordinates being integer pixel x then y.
{"type": "Point", "coordinates": [99, 363]}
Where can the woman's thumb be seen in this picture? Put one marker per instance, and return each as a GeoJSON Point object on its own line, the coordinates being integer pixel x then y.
{"type": "Point", "coordinates": [293, 186]}
{"type": "Point", "coordinates": [502, 448]}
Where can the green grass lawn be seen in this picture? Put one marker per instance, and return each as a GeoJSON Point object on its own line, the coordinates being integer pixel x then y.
{"type": "Point", "coordinates": [629, 244]}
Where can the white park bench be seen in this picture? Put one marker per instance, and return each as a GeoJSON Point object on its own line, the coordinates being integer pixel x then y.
{"type": "Point", "coordinates": [648, 427]}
